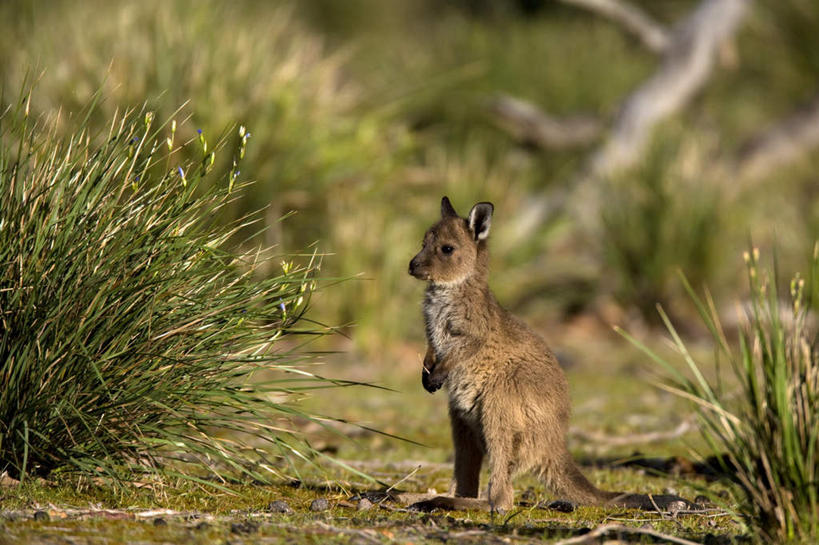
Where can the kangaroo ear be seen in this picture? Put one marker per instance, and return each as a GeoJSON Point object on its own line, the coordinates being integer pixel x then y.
{"type": "Point", "coordinates": [480, 219]}
{"type": "Point", "coordinates": [446, 208]}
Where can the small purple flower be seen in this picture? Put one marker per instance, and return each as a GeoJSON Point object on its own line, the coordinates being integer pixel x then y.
{"type": "Point", "coordinates": [281, 306]}
{"type": "Point", "coordinates": [181, 172]}
{"type": "Point", "coordinates": [199, 131]}
{"type": "Point", "coordinates": [238, 172]}
{"type": "Point", "coordinates": [135, 139]}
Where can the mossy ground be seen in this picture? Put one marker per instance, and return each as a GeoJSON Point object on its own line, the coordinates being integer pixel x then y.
{"type": "Point", "coordinates": [610, 396]}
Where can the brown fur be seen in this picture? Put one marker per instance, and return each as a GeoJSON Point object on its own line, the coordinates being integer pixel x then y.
{"type": "Point", "coordinates": [508, 397]}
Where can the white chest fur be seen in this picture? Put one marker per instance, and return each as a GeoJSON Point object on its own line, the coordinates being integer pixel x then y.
{"type": "Point", "coordinates": [441, 311]}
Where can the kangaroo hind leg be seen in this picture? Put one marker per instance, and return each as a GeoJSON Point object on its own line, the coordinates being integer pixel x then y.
{"type": "Point", "coordinates": [468, 457]}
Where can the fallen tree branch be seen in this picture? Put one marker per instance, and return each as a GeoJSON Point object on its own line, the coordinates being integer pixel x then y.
{"type": "Point", "coordinates": [528, 124]}
{"type": "Point", "coordinates": [367, 534]}
{"type": "Point", "coordinates": [620, 529]}
{"type": "Point", "coordinates": [653, 35]}
{"type": "Point", "coordinates": [402, 466]}
{"type": "Point", "coordinates": [623, 440]}
{"type": "Point", "coordinates": [689, 57]}
{"type": "Point", "coordinates": [781, 143]}
{"type": "Point", "coordinates": [685, 69]}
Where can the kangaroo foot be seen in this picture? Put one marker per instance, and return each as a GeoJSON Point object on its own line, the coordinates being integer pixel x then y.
{"type": "Point", "coordinates": [450, 503]}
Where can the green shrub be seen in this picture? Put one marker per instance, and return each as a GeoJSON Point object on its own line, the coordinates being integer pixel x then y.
{"type": "Point", "coordinates": [130, 338]}
{"type": "Point", "coordinates": [759, 414]}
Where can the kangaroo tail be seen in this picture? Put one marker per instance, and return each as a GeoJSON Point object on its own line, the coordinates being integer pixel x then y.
{"type": "Point", "coordinates": [568, 482]}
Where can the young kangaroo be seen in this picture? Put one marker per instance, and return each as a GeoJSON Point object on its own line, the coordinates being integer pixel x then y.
{"type": "Point", "coordinates": [508, 397]}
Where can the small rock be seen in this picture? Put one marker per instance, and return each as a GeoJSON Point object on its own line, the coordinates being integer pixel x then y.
{"type": "Point", "coordinates": [279, 506]}
{"type": "Point", "coordinates": [364, 504]}
{"type": "Point", "coordinates": [561, 505]}
{"type": "Point", "coordinates": [245, 527]}
{"type": "Point", "coordinates": [670, 491]}
{"type": "Point", "coordinates": [319, 504]}
{"type": "Point", "coordinates": [677, 506]}
{"type": "Point", "coordinates": [41, 516]}
{"type": "Point", "coordinates": [159, 521]}
{"type": "Point", "coordinates": [702, 500]}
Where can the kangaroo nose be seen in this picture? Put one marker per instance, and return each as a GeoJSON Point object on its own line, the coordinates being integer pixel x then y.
{"type": "Point", "coordinates": [412, 266]}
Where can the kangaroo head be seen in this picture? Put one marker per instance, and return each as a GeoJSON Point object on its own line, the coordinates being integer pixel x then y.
{"type": "Point", "coordinates": [453, 248]}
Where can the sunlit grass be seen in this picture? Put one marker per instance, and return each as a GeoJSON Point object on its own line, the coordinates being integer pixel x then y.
{"type": "Point", "coordinates": [133, 341]}
{"type": "Point", "coordinates": [759, 413]}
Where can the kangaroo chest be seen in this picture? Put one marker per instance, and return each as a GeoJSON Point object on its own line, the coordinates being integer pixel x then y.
{"type": "Point", "coordinates": [444, 315]}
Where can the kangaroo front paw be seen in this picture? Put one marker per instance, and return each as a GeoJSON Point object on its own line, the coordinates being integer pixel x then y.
{"type": "Point", "coordinates": [432, 381]}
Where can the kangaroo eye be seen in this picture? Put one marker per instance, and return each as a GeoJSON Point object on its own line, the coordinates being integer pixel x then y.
{"type": "Point", "coordinates": [447, 249]}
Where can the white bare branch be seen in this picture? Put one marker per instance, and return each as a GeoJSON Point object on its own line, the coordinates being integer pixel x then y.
{"type": "Point", "coordinates": [685, 68]}
{"type": "Point", "coordinates": [632, 439]}
{"type": "Point", "coordinates": [528, 124]}
{"type": "Point", "coordinates": [592, 536]}
{"type": "Point", "coordinates": [687, 63]}
{"type": "Point", "coordinates": [653, 35]}
{"type": "Point", "coordinates": [782, 143]}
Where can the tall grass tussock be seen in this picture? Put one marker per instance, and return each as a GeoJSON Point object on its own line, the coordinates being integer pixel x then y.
{"type": "Point", "coordinates": [759, 413]}
{"type": "Point", "coordinates": [131, 340]}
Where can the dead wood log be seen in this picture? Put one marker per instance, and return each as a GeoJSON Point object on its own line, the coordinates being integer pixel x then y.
{"type": "Point", "coordinates": [783, 142]}
{"type": "Point", "coordinates": [687, 63]}
{"type": "Point", "coordinates": [593, 535]}
{"type": "Point", "coordinates": [639, 438]}
{"type": "Point", "coordinates": [529, 125]}
{"type": "Point", "coordinates": [653, 35]}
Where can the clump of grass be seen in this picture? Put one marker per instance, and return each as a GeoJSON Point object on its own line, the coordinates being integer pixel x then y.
{"type": "Point", "coordinates": [759, 413]}
{"type": "Point", "coordinates": [130, 337]}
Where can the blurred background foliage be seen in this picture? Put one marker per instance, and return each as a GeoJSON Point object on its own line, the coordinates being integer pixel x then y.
{"type": "Point", "coordinates": [364, 113]}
